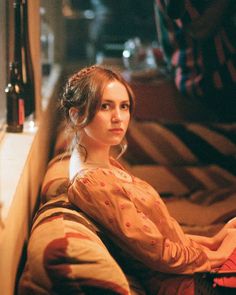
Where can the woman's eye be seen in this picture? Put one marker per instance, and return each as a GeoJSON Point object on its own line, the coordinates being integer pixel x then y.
{"type": "Point", "coordinates": [125, 106]}
{"type": "Point", "coordinates": [105, 106]}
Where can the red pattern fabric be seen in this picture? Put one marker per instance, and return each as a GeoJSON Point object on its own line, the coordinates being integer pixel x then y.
{"type": "Point", "coordinates": [228, 266]}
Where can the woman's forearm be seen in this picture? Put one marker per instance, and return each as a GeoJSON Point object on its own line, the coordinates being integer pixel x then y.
{"type": "Point", "coordinates": [204, 241]}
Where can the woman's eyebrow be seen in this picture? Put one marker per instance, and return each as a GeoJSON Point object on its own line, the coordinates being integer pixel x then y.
{"type": "Point", "coordinates": [107, 100]}
{"type": "Point", "coordinates": [112, 101]}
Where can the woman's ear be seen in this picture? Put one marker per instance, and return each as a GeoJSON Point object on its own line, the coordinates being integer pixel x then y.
{"type": "Point", "coordinates": [73, 113]}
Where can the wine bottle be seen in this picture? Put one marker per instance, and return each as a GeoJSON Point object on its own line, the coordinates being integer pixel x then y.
{"type": "Point", "coordinates": [15, 90]}
{"type": "Point", "coordinates": [15, 101]}
{"type": "Point", "coordinates": [27, 66]}
{"type": "Point", "coordinates": [18, 38]}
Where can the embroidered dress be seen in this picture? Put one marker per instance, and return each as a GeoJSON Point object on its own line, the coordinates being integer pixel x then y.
{"type": "Point", "coordinates": [137, 220]}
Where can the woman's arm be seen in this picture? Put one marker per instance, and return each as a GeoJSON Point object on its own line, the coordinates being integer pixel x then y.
{"type": "Point", "coordinates": [134, 231]}
{"type": "Point", "coordinates": [207, 242]}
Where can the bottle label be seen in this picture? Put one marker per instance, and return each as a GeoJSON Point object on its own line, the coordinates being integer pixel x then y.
{"type": "Point", "coordinates": [21, 111]}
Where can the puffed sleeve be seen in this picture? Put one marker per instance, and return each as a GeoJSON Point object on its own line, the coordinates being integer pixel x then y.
{"type": "Point", "coordinates": [110, 206]}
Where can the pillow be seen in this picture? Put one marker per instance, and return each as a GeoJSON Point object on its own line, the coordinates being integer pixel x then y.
{"type": "Point", "coordinates": [182, 144]}
{"type": "Point", "coordinates": [212, 207]}
{"type": "Point", "coordinates": [186, 181]}
{"type": "Point", "coordinates": [66, 256]}
{"type": "Point", "coordinates": [56, 178]}
{"type": "Point", "coordinates": [64, 137]}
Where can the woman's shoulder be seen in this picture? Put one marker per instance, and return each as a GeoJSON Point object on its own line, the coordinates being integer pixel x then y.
{"type": "Point", "coordinates": [86, 173]}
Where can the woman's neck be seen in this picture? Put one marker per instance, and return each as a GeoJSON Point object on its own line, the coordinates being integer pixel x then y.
{"type": "Point", "coordinates": [78, 163]}
{"type": "Point", "coordinates": [80, 160]}
{"type": "Point", "coordinates": [96, 157]}
{"type": "Point", "coordinates": [92, 152]}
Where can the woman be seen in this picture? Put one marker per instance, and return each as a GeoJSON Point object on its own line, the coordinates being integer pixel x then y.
{"type": "Point", "coordinates": [98, 104]}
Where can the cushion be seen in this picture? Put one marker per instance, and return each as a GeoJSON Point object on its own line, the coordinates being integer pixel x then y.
{"type": "Point", "coordinates": [66, 256]}
{"type": "Point", "coordinates": [56, 178]}
{"type": "Point", "coordinates": [64, 137]}
{"type": "Point", "coordinates": [182, 144]}
{"type": "Point", "coordinates": [184, 180]}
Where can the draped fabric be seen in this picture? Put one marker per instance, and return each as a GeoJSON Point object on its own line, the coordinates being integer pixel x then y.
{"type": "Point", "coordinates": [202, 68]}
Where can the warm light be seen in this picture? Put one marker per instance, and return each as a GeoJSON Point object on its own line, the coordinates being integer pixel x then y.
{"type": "Point", "coordinates": [126, 53]}
{"type": "Point", "coordinates": [31, 125]}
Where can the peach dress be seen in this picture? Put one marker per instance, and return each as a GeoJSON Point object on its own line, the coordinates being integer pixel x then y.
{"type": "Point", "coordinates": [137, 220]}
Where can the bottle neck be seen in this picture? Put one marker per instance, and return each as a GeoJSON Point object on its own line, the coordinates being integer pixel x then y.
{"type": "Point", "coordinates": [18, 35]}
{"type": "Point", "coordinates": [15, 73]}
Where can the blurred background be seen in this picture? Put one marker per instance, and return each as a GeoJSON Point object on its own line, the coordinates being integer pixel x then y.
{"type": "Point", "coordinates": [89, 30]}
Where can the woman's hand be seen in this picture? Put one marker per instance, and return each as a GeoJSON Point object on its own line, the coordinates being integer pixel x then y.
{"type": "Point", "coordinates": [213, 243]}
{"type": "Point", "coordinates": [226, 248]}
{"type": "Point", "coordinates": [231, 223]}
{"type": "Point", "coordinates": [220, 236]}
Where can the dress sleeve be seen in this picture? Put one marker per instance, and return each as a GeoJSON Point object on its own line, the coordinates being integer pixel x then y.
{"type": "Point", "coordinates": [111, 207]}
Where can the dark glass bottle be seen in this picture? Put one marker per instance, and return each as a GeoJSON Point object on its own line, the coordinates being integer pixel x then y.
{"type": "Point", "coordinates": [18, 37]}
{"type": "Point", "coordinates": [15, 88]}
{"type": "Point", "coordinates": [27, 66]}
{"type": "Point", "coordinates": [15, 101]}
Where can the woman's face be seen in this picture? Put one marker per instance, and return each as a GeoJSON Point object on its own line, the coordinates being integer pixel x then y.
{"type": "Point", "coordinates": [111, 121]}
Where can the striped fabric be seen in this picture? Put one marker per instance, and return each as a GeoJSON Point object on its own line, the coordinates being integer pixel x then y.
{"type": "Point", "coordinates": [182, 144]}
{"type": "Point", "coordinates": [66, 256]}
{"type": "Point", "coordinates": [56, 178]}
{"type": "Point", "coordinates": [186, 180]}
{"type": "Point", "coordinates": [201, 67]}
{"type": "Point", "coordinates": [191, 165]}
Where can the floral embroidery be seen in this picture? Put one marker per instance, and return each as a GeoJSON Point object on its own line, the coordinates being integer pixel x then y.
{"type": "Point", "coordinates": [153, 243]}
{"type": "Point", "coordinates": [85, 180]}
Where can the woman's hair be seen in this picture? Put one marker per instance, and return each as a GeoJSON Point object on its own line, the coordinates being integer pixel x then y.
{"type": "Point", "coordinates": [84, 91]}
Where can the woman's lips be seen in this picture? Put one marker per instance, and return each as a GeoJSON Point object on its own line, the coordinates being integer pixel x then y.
{"type": "Point", "coordinates": [116, 130]}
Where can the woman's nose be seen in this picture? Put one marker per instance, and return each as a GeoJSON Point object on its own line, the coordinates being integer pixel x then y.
{"type": "Point", "coordinates": [116, 116]}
